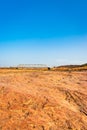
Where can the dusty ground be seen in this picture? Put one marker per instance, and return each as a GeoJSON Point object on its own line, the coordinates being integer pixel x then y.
{"type": "Point", "coordinates": [43, 100]}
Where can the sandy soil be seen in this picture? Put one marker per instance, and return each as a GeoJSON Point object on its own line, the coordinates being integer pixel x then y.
{"type": "Point", "coordinates": [43, 100]}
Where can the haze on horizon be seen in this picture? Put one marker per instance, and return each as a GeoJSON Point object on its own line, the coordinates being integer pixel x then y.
{"type": "Point", "coordinates": [47, 32]}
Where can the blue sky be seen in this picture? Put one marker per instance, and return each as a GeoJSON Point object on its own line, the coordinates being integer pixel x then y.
{"type": "Point", "coordinates": [52, 32]}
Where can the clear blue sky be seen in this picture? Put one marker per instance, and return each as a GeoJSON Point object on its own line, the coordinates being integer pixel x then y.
{"type": "Point", "coordinates": [52, 32]}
